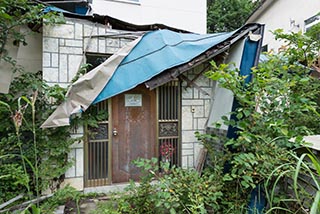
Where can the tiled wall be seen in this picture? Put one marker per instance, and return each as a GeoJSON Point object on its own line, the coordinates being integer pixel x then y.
{"type": "Point", "coordinates": [64, 46]}
{"type": "Point", "coordinates": [195, 111]}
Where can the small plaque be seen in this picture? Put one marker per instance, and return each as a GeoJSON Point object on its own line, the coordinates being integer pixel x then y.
{"type": "Point", "coordinates": [133, 100]}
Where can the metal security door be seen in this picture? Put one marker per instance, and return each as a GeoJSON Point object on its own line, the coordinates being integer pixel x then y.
{"type": "Point", "coordinates": [169, 122]}
{"type": "Point", "coordinates": [98, 147]}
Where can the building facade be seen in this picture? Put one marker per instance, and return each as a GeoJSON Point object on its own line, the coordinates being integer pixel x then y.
{"type": "Point", "coordinates": [289, 15]}
{"type": "Point", "coordinates": [182, 14]}
{"type": "Point", "coordinates": [141, 122]}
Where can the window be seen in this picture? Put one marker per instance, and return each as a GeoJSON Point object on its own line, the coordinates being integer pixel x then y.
{"type": "Point", "coordinates": [311, 22]}
{"type": "Point", "coordinates": [169, 122]}
{"type": "Point", "coordinates": [264, 48]}
{"type": "Point", "coordinates": [96, 59]}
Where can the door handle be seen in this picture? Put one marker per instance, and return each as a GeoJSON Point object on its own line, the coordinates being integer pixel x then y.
{"type": "Point", "coordinates": [115, 132]}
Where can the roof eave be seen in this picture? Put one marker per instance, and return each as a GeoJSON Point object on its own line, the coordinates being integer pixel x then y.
{"type": "Point", "coordinates": [259, 10]}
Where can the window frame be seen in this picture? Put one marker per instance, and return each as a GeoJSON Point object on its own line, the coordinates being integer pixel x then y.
{"type": "Point", "coordinates": [308, 23]}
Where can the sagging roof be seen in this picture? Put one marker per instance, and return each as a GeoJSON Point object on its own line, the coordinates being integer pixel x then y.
{"type": "Point", "coordinates": [162, 50]}
{"type": "Point", "coordinates": [155, 53]}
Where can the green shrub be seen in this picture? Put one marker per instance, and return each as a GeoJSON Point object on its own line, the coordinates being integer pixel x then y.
{"type": "Point", "coordinates": [61, 197]}
{"type": "Point", "coordinates": [279, 104]}
{"type": "Point", "coordinates": [164, 190]}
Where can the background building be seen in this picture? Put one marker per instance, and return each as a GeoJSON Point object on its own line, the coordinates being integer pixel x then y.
{"type": "Point", "coordinates": [289, 15]}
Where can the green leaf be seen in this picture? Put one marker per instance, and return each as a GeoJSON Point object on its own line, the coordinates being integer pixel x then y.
{"type": "Point", "coordinates": [35, 209]}
{"type": "Point", "coordinates": [316, 162]}
{"type": "Point", "coordinates": [246, 112]}
{"type": "Point", "coordinates": [5, 104]}
{"type": "Point", "coordinates": [306, 79]}
{"type": "Point", "coordinates": [247, 178]}
{"type": "Point", "coordinates": [5, 16]}
{"type": "Point", "coordinates": [224, 118]}
{"type": "Point", "coordinates": [284, 131]}
{"type": "Point", "coordinates": [172, 211]}
{"type": "Point", "coordinates": [239, 115]}
{"type": "Point", "coordinates": [245, 184]}
{"type": "Point", "coordinates": [26, 99]}
{"type": "Point", "coordinates": [315, 208]}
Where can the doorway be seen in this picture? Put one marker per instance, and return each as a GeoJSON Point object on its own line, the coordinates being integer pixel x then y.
{"type": "Point", "coordinates": [139, 123]}
{"type": "Point", "coordinates": [133, 131]}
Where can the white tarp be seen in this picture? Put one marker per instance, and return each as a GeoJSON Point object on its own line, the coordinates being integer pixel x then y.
{"type": "Point", "coordinates": [84, 91]}
{"type": "Point", "coordinates": [6, 69]}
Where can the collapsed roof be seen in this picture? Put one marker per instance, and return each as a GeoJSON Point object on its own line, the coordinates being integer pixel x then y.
{"type": "Point", "coordinates": [155, 58]}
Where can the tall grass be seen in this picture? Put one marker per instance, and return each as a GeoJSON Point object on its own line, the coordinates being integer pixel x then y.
{"type": "Point", "coordinates": [281, 195]}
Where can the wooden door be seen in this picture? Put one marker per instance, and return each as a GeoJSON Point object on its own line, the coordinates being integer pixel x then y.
{"type": "Point", "coordinates": [134, 131]}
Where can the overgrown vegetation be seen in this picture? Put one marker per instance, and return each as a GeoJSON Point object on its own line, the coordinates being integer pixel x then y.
{"type": "Point", "coordinates": [280, 103]}
{"type": "Point", "coordinates": [258, 171]}
{"type": "Point", "coordinates": [32, 160]}
{"type": "Point", "coordinates": [166, 190]}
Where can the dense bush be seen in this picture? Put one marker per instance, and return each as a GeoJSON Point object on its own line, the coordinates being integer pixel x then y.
{"type": "Point", "coordinates": [277, 108]}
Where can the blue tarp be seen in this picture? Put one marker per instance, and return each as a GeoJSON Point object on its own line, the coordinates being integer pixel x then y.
{"type": "Point", "coordinates": [79, 10]}
{"type": "Point", "coordinates": [157, 51]}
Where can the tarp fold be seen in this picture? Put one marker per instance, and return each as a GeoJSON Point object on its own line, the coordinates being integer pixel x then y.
{"type": "Point", "coordinates": [84, 91]}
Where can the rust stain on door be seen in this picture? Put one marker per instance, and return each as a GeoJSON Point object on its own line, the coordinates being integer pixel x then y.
{"type": "Point", "coordinates": [134, 126]}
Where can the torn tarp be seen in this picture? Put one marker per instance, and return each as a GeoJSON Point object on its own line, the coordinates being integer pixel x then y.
{"type": "Point", "coordinates": [157, 52]}
{"type": "Point", "coordinates": [84, 91]}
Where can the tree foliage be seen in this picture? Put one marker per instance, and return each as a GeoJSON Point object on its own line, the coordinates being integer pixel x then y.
{"type": "Point", "coordinates": [228, 15]}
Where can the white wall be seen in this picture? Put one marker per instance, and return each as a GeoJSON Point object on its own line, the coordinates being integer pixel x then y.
{"type": "Point", "coordinates": [223, 98]}
{"type": "Point", "coordinates": [183, 14]}
{"type": "Point", "coordinates": [288, 15]}
{"type": "Point", "coordinates": [63, 47]}
{"type": "Point", "coordinates": [194, 114]}
{"type": "Point", "coordinates": [29, 57]}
